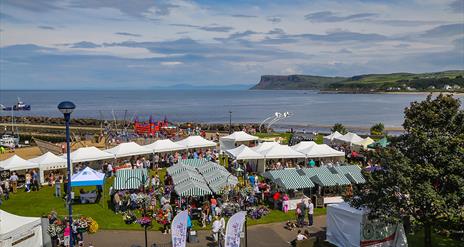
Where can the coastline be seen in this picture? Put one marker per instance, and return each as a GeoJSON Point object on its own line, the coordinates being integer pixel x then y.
{"type": "Point", "coordinates": [398, 93]}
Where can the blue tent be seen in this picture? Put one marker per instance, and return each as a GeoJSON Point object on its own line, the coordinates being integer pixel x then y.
{"type": "Point", "coordinates": [87, 177]}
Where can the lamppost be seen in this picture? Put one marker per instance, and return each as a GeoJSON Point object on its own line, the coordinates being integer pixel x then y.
{"type": "Point", "coordinates": [67, 107]}
{"type": "Point", "coordinates": [142, 183]}
{"type": "Point", "coordinates": [230, 122]}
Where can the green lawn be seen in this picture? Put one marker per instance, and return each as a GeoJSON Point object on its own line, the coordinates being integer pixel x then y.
{"type": "Point", "coordinates": [437, 240]}
{"type": "Point", "coordinates": [285, 136]}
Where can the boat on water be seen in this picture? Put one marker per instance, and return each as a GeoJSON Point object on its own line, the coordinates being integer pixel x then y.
{"type": "Point", "coordinates": [19, 106]}
{"type": "Point", "coordinates": [9, 141]}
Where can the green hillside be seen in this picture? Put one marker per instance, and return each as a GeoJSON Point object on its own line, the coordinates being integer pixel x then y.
{"type": "Point", "coordinates": [368, 82]}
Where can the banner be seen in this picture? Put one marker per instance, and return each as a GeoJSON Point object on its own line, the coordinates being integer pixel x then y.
{"type": "Point", "coordinates": [379, 234]}
{"type": "Point", "coordinates": [234, 228]}
{"type": "Point", "coordinates": [179, 229]}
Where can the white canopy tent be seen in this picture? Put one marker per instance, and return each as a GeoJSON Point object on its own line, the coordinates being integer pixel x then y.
{"type": "Point", "coordinates": [238, 137]}
{"type": "Point", "coordinates": [127, 149]}
{"type": "Point", "coordinates": [348, 138]}
{"type": "Point", "coordinates": [16, 163]}
{"type": "Point", "coordinates": [321, 151]}
{"type": "Point", "coordinates": [282, 152]}
{"type": "Point", "coordinates": [49, 161]}
{"type": "Point", "coordinates": [19, 231]}
{"type": "Point", "coordinates": [196, 142]}
{"type": "Point", "coordinates": [303, 145]}
{"type": "Point", "coordinates": [330, 138]}
{"type": "Point", "coordinates": [264, 146]}
{"type": "Point", "coordinates": [163, 146]}
{"type": "Point", "coordinates": [348, 226]}
{"type": "Point", "coordinates": [89, 154]}
{"type": "Point", "coordinates": [244, 153]}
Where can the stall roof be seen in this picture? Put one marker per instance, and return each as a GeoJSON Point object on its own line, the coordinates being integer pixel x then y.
{"type": "Point", "coordinates": [349, 138]}
{"type": "Point", "coordinates": [243, 152]}
{"type": "Point", "coordinates": [321, 151]}
{"type": "Point", "coordinates": [365, 142]}
{"type": "Point", "coordinates": [303, 145]}
{"type": "Point", "coordinates": [187, 175]}
{"type": "Point", "coordinates": [87, 177]}
{"type": "Point", "coordinates": [332, 136]}
{"type": "Point", "coordinates": [196, 142]}
{"type": "Point", "coordinates": [89, 154]}
{"type": "Point", "coordinates": [240, 136]}
{"type": "Point", "coordinates": [16, 163]}
{"type": "Point", "coordinates": [130, 179]}
{"type": "Point", "coordinates": [264, 146]}
{"type": "Point", "coordinates": [193, 162]}
{"type": "Point", "coordinates": [289, 179]}
{"type": "Point", "coordinates": [166, 145]}
{"type": "Point", "coordinates": [50, 161]}
{"type": "Point", "coordinates": [12, 225]}
{"type": "Point", "coordinates": [127, 149]}
{"type": "Point", "coordinates": [324, 177]}
{"type": "Point", "coordinates": [219, 184]}
{"type": "Point", "coordinates": [179, 168]}
{"type": "Point", "coordinates": [281, 152]}
{"type": "Point", "coordinates": [192, 188]}
{"type": "Point", "coordinates": [352, 172]}
{"type": "Point", "coordinates": [380, 143]}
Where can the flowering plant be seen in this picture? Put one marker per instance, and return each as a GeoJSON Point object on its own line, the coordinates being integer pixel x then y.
{"type": "Point", "coordinates": [144, 221]}
{"type": "Point", "coordinates": [93, 225]}
{"type": "Point", "coordinates": [55, 229]}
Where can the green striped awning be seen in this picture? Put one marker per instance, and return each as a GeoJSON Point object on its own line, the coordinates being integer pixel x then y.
{"type": "Point", "coordinates": [127, 179]}
{"type": "Point", "coordinates": [178, 168]}
{"type": "Point", "coordinates": [324, 176]}
{"type": "Point", "coordinates": [193, 162]}
{"type": "Point", "coordinates": [351, 172]}
{"type": "Point", "coordinates": [192, 188]}
{"type": "Point", "coordinates": [289, 179]}
{"type": "Point", "coordinates": [217, 185]}
{"type": "Point", "coordinates": [186, 176]}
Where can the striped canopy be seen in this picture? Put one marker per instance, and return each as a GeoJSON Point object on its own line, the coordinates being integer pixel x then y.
{"type": "Point", "coordinates": [127, 179]}
{"type": "Point", "coordinates": [193, 162]}
{"type": "Point", "coordinates": [324, 177]}
{"type": "Point", "coordinates": [187, 176]}
{"type": "Point", "coordinates": [192, 188]}
{"type": "Point", "coordinates": [289, 179]}
{"type": "Point", "coordinates": [219, 184]}
{"type": "Point", "coordinates": [179, 168]}
{"type": "Point", "coordinates": [352, 172]}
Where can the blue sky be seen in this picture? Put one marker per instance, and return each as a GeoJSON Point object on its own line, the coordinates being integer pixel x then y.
{"type": "Point", "coordinates": [72, 44]}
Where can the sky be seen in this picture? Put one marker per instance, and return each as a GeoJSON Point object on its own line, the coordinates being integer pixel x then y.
{"type": "Point", "coordinates": [143, 44]}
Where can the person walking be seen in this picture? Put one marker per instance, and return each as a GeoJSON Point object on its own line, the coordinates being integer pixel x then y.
{"type": "Point", "coordinates": [58, 186]}
{"type": "Point", "coordinates": [213, 206]}
{"type": "Point", "coordinates": [216, 228]}
{"type": "Point", "coordinates": [310, 207]}
{"type": "Point", "coordinates": [14, 182]}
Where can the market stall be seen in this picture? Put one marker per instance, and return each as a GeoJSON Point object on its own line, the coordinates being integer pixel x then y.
{"type": "Point", "coordinates": [348, 138]}
{"type": "Point", "coordinates": [276, 152]}
{"type": "Point", "coordinates": [128, 149]}
{"type": "Point", "coordinates": [128, 179]}
{"type": "Point", "coordinates": [49, 162]}
{"type": "Point", "coordinates": [86, 154]}
{"type": "Point", "coordinates": [382, 143]}
{"type": "Point", "coordinates": [16, 163]}
{"type": "Point", "coordinates": [196, 142]}
{"type": "Point", "coordinates": [89, 177]}
{"type": "Point", "coordinates": [348, 226]}
{"type": "Point", "coordinates": [244, 153]}
{"type": "Point", "coordinates": [292, 182]}
{"type": "Point", "coordinates": [330, 138]}
{"type": "Point", "coordinates": [19, 231]}
{"type": "Point", "coordinates": [362, 144]}
{"type": "Point", "coordinates": [164, 146]}
{"type": "Point", "coordinates": [237, 138]}
{"type": "Point", "coordinates": [323, 152]}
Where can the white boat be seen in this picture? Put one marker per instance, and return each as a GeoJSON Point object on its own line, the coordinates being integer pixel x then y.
{"type": "Point", "coordinates": [9, 141]}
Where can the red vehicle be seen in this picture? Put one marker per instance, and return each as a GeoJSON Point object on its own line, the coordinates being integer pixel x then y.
{"type": "Point", "coordinates": [151, 127]}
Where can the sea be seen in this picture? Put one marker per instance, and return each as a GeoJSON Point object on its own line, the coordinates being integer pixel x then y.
{"type": "Point", "coordinates": [309, 110]}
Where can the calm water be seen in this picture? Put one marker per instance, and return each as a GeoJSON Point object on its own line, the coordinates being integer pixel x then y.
{"type": "Point", "coordinates": [308, 107]}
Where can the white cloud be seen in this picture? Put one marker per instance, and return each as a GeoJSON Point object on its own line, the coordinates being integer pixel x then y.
{"type": "Point", "coordinates": [172, 63]}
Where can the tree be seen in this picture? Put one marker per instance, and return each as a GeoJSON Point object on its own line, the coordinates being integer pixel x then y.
{"type": "Point", "coordinates": [423, 172]}
{"type": "Point", "coordinates": [340, 128]}
{"type": "Point", "coordinates": [377, 129]}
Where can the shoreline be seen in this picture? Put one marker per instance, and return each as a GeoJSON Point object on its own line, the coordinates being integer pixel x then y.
{"type": "Point", "coordinates": [399, 92]}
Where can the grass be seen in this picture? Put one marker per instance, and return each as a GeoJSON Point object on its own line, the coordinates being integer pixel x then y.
{"type": "Point", "coordinates": [437, 240]}
{"type": "Point", "coordinates": [285, 136]}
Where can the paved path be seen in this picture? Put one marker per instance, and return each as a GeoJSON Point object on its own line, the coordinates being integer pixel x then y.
{"type": "Point", "coordinates": [268, 235]}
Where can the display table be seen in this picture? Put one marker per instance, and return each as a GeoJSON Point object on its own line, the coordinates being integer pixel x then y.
{"type": "Point", "coordinates": [90, 197]}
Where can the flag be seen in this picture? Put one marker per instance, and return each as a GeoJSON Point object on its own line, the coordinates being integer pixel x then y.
{"type": "Point", "coordinates": [179, 229]}
{"type": "Point", "coordinates": [234, 228]}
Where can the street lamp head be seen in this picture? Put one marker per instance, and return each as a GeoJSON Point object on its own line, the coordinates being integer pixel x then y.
{"type": "Point", "coordinates": [66, 107]}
